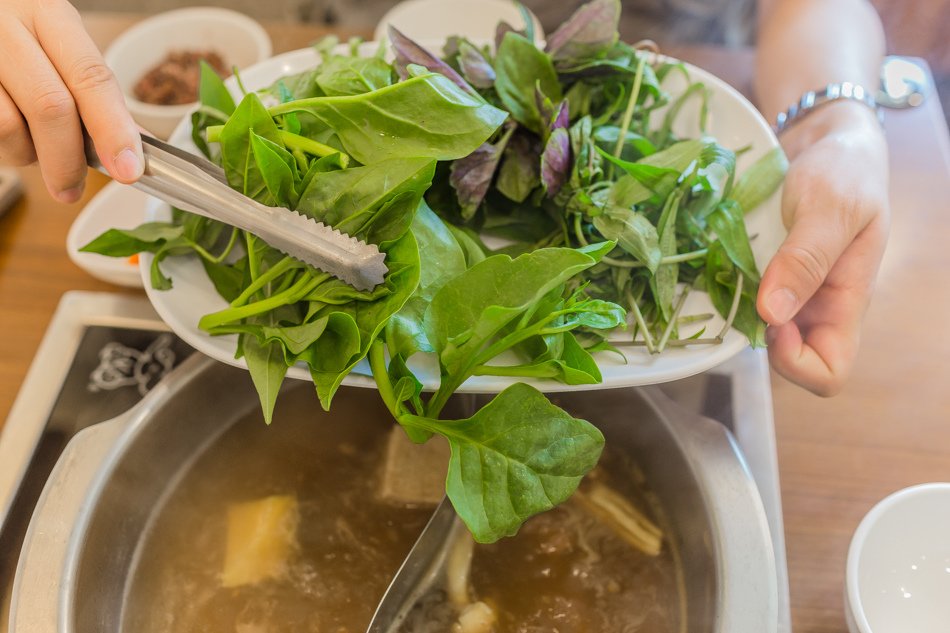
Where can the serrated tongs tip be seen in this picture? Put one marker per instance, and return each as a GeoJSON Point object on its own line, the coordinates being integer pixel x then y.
{"type": "Point", "coordinates": [191, 183]}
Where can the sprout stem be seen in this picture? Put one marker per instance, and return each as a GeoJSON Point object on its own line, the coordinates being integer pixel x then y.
{"type": "Point", "coordinates": [733, 309]}
{"type": "Point", "coordinates": [669, 326]}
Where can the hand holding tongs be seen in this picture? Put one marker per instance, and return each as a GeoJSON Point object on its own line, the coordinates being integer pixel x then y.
{"type": "Point", "coordinates": [194, 184]}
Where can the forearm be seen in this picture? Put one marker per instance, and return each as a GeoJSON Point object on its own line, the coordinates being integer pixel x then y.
{"type": "Point", "coordinates": [804, 45]}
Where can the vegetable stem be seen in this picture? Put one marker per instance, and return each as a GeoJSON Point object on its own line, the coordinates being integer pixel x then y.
{"type": "Point", "coordinates": [302, 143]}
{"type": "Point", "coordinates": [216, 259]}
{"type": "Point", "coordinates": [287, 263]}
{"type": "Point", "coordinates": [213, 112]}
{"type": "Point", "coordinates": [301, 288]}
{"type": "Point", "coordinates": [641, 324]}
{"type": "Point", "coordinates": [734, 308]}
{"type": "Point", "coordinates": [673, 320]}
{"type": "Point", "coordinates": [448, 387]}
{"type": "Point", "coordinates": [628, 113]}
{"type": "Point", "coordinates": [252, 267]}
{"type": "Point", "coordinates": [213, 133]}
{"type": "Point", "coordinates": [377, 363]}
{"type": "Point", "coordinates": [579, 231]}
{"type": "Point", "coordinates": [301, 159]}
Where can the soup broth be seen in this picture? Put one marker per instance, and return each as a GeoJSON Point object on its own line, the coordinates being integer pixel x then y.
{"type": "Point", "coordinates": [566, 571]}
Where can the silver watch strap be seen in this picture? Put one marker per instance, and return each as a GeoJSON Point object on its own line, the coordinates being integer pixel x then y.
{"type": "Point", "coordinates": [815, 98]}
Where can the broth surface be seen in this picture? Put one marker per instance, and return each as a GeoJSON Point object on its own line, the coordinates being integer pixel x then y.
{"type": "Point", "coordinates": [350, 544]}
{"type": "Point", "coordinates": [565, 572]}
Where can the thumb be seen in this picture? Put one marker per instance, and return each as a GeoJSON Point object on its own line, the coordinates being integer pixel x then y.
{"type": "Point", "coordinates": [800, 266]}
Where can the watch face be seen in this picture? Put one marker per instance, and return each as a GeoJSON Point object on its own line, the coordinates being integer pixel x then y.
{"type": "Point", "coordinates": [903, 83]}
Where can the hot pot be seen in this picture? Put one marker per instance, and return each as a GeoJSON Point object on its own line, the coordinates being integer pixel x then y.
{"type": "Point", "coordinates": [78, 556]}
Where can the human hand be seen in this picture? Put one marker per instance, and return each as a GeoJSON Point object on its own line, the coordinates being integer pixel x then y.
{"type": "Point", "coordinates": [816, 289]}
{"type": "Point", "coordinates": [51, 78]}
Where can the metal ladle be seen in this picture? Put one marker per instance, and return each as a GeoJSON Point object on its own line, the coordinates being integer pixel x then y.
{"type": "Point", "coordinates": [424, 564]}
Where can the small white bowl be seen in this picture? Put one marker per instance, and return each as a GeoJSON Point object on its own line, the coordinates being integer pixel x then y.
{"type": "Point", "coordinates": [898, 570]}
{"type": "Point", "coordinates": [239, 40]}
{"type": "Point", "coordinates": [434, 20]}
{"type": "Point", "coordinates": [116, 206]}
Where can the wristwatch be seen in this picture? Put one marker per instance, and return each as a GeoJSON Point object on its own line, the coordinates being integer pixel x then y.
{"type": "Point", "coordinates": [816, 98]}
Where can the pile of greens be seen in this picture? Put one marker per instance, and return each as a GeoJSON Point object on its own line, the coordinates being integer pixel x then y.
{"type": "Point", "coordinates": [553, 150]}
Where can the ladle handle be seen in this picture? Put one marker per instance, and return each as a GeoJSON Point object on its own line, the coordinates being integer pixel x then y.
{"type": "Point", "coordinates": [418, 570]}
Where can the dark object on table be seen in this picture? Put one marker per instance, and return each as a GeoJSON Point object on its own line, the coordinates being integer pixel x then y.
{"type": "Point", "coordinates": [11, 189]}
{"type": "Point", "coordinates": [174, 81]}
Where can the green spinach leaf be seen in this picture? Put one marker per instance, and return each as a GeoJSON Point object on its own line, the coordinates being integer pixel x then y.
{"type": "Point", "coordinates": [517, 456]}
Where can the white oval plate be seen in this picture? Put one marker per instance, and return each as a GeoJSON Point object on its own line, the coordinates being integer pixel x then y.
{"type": "Point", "coordinates": [116, 206]}
{"type": "Point", "coordinates": [733, 121]}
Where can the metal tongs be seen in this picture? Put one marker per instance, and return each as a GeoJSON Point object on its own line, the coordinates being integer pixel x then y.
{"type": "Point", "coordinates": [194, 184]}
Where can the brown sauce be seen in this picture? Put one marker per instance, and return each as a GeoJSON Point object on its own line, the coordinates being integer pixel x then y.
{"type": "Point", "coordinates": [174, 80]}
{"type": "Point", "coordinates": [564, 573]}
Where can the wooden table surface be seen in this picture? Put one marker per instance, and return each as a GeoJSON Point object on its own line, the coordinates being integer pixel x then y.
{"type": "Point", "coordinates": [890, 428]}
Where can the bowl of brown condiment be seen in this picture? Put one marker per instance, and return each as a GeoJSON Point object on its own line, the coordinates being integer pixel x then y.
{"type": "Point", "coordinates": [157, 61]}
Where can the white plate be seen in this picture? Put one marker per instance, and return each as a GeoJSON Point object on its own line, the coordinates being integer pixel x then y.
{"type": "Point", "coordinates": [732, 120]}
{"type": "Point", "coordinates": [116, 206]}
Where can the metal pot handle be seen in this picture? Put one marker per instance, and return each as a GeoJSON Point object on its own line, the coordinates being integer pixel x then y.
{"type": "Point", "coordinates": [45, 570]}
{"type": "Point", "coordinates": [747, 576]}
{"type": "Point", "coordinates": [43, 559]}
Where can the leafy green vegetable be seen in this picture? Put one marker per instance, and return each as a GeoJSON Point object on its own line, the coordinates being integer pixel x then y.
{"type": "Point", "coordinates": [521, 71]}
{"type": "Point", "coordinates": [633, 232]}
{"type": "Point", "coordinates": [761, 180]}
{"type": "Point", "coordinates": [343, 75]}
{"type": "Point", "coordinates": [215, 106]}
{"type": "Point", "coordinates": [444, 259]}
{"type": "Point", "coordinates": [149, 237]}
{"type": "Point", "coordinates": [517, 456]}
{"type": "Point", "coordinates": [466, 314]}
{"type": "Point", "coordinates": [236, 154]}
{"type": "Point", "coordinates": [422, 117]}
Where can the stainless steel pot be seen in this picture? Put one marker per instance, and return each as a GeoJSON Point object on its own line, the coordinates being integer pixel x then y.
{"type": "Point", "coordinates": [77, 559]}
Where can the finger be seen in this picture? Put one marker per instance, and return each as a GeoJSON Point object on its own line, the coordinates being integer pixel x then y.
{"type": "Point", "coordinates": [94, 88]}
{"type": "Point", "coordinates": [16, 148]}
{"type": "Point", "coordinates": [801, 265]}
{"type": "Point", "coordinates": [820, 362]}
{"type": "Point", "coordinates": [42, 97]}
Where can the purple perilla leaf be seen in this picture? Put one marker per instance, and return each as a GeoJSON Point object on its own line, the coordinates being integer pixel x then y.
{"type": "Point", "coordinates": [476, 69]}
{"type": "Point", "coordinates": [520, 169]}
{"type": "Point", "coordinates": [556, 158]}
{"type": "Point", "coordinates": [561, 118]}
{"type": "Point", "coordinates": [591, 30]}
{"type": "Point", "coordinates": [471, 175]}
{"type": "Point", "coordinates": [409, 52]}
{"type": "Point", "coordinates": [502, 30]}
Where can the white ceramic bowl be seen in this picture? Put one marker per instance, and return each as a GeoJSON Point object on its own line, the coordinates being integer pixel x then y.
{"type": "Point", "coordinates": [898, 571]}
{"type": "Point", "coordinates": [239, 40]}
{"type": "Point", "coordinates": [424, 20]}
